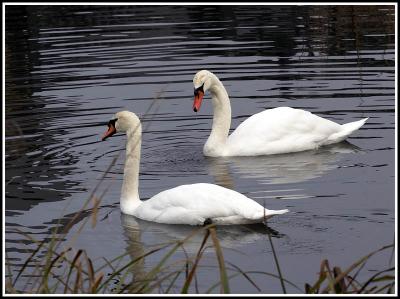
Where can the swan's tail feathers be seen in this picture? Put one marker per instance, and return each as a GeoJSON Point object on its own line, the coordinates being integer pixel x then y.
{"type": "Point", "coordinates": [347, 129]}
{"type": "Point", "coordinates": [270, 213]}
{"type": "Point", "coordinates": [276, 212]}
{"type": "Point", "coordinates": [355, 125]}
{"type": "Point", "coordinates": [264, 215]}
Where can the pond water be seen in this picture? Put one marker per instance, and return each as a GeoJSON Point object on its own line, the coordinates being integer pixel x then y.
{"type": "Point", "coordinates": [68, 69]}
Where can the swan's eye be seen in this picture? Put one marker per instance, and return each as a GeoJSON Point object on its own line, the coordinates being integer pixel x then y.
{"type": "Point", "coordinates": [112, 122]}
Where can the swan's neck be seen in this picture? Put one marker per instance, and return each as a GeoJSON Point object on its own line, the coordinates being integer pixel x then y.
{"type": "Point", "coordinates": [130, 187]}
{"type": "Point", "coordinates": [221, 120]}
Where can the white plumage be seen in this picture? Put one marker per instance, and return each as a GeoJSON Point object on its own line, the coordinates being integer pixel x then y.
{"type": "Point", "coordinates": [186, 204]}
{"type": "Point", "coordinates": [193, 204]}
{"type": "Point", "coordinates": [273, 131]}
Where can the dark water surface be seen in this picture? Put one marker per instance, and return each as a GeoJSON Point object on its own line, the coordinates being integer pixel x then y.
{"type": "Point", "coordinates": [70, 68]}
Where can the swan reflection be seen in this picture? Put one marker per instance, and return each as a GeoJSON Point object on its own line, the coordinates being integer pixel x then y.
{"type": "Point", "coordinates": [143, 236]}
{"type": "Point", "coordinates": [229, 236]}
{"type": "Point", "coordinates": [280, 169]}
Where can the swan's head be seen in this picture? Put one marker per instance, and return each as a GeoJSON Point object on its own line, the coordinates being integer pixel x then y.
{"type": "Point", "coordinates": [202, 82]}
{"type": "Point", "coordinates": [122, 121]}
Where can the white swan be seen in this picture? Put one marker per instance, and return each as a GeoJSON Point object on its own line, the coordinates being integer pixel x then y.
{"type": "Point", "coordinates": [194, 204]}
{"type": "Point", "coordinates": [273, 131]}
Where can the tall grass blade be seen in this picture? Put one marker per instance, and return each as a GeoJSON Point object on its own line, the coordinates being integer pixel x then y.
{"type": "Point", "coordinates": [274, 253]}
{"type": "Point", "coordinates": [388, 286]}
{"type": "Point", "coordinates": [115, 273]}
{"type": "Point", "coordinates": [352, 267]}
{"type": "Point", "coordinates": [375, 279]}
{"type": "Point", "coordinates": [275, 276]}
{"type": "Point", "coordinates": [95, 209]}
{"type": "Point", "coordinates": [77, 255]}
{"type": "Point", "coordinates": [281, 279]}
{"type": "Point", "coordinates": [159, 282]}
{"type": "Point", "coordinates": [322, 276]}
{"type": "Point", "coordinates": [90, 271]}
{"type": "Point", "coordinates": [245, 276]}
{"type": "Point", "coordinates": [78, 280]}
{"type": "Point", "coordinates": [353, 278]}
{"type": "Point", "coordinates": [54, 261]}
{"type": "Point", "coordinates": [157, 268]}
{"type": "Point", "coordinates": [27, 262]}
{"type": "Point", "coordinates": [96, 283]}
{"type": "Point", "coordinates": [194, 267]}
{"type": "Point", "coordinates": [221, 263]}
{"type": "Point", "coordinates": [219, 283]}
{"type": "Point", "coordinates": [9, 279]}
{"type": "Point", "coordinates": [173, 282]}
{"type": "Point", "coordinates": [340, 286]}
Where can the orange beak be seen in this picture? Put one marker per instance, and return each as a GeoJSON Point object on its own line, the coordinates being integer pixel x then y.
{"type": "Point", "coordinates": [111, 131]}
{"type": "Point", "coordinates": [198, 98]}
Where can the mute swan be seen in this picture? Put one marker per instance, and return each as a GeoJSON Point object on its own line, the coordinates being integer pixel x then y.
{"type": "Point", "coordinates": [195, 204]}
{"type": "Point", "coordinates": [273, 131]}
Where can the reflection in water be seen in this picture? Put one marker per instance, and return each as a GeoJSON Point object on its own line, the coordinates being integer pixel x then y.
{"type": "Point", "coordinates": [230, 236]}
{"type": "Point", "coordinates": [69, 67]}
{"type": "Point", "coordinates": [37, 157]}
{"type": "Point", "coordinates": [280, 169]}
{"type": "Point", "coordinates": [134, 248]}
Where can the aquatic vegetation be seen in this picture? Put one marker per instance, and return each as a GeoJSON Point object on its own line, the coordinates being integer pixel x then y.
{"type": "Point", "coordinates": [337, 281]}
{"type": "Point", "coordinates": [72, 271]}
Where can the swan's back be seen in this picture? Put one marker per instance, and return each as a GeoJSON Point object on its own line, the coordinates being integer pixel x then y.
{"type": "Point", "coordinates": [193, 204]}
{"type": "Point", "coordinates": [280, 130]}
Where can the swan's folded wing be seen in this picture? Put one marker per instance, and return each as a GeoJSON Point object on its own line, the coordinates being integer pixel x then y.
{"type": "Point", "coordinates": [280, 130]}
{"type": "Point", "coordinates": [192, 204]}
